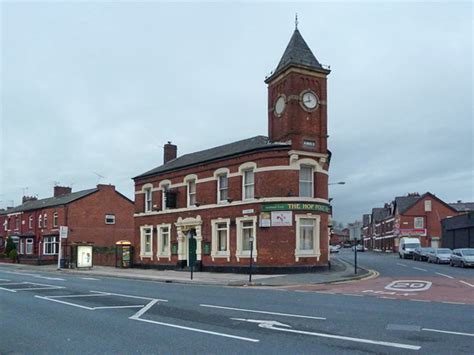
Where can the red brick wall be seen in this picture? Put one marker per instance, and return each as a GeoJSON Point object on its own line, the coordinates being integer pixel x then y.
{"type": "Point", "coordinates": [296, 124]}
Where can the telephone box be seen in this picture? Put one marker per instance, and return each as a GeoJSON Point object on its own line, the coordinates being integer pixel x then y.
{"type": "Point", "coordinates": [123, 254]}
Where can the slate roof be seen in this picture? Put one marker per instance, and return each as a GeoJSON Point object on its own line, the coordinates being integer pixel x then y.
{"type": "Point", "coordinates": [51, 201]}
{"type": "Point", "coordinates": [463, 206]}
{"type": "Point", "coordinates": [256, 143]}
{"type": "Point", "coordinates": [379, 213]}
{"type": "Point", "coordinates": [297, 53]}
{"type": "Point", "coordinates": [404, 202]}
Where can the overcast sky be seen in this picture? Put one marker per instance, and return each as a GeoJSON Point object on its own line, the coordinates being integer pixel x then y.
{"type": "Point", "coordinates": [99, 88]}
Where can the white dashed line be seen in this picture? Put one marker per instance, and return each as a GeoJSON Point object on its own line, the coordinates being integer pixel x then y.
{"type": "Point", "coordinates": [419, 268]}
{"type": "Point", "coordinates": [414, 300]}
{"type": "Point", "coordinates": [450, 277]}
{"type": "Point", "coordinates": [352, 294]}
{"type": "Point", "coordinates": [452, 302]}
{"type": "Point", "coordinates": [466, 283]}
{"type": "Point", "coordinates": [89, 278]}
{"type": "Point", "coordinates": [447, 332]}
{"type": "Point", "coordinates": [388, 298]}
{"type": "Point", "coordinates": [263, 312]}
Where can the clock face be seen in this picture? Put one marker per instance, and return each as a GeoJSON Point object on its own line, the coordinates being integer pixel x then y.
{"type": "Point", "coordinates": [309, 100]}
{"type": "Point", "coordinates": [280, 105]}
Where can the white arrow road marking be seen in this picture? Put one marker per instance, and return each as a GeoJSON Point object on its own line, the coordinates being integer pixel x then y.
{"type": "Point", "coordinates": [466, 283]}
{"type": "Point", "coordinates": [137, 316]}
{"type": "Point", "coordinates": [263, 312]}
{"type": "Point", "coordinates": [447, 332]}
{"type": "Point", "coordinates": [264, 323]}
{"type": "Point", "coordinates": [270, 325]}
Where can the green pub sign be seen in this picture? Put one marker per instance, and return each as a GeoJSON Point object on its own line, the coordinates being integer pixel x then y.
{"type": "Point", "coordinates": [296, 206]}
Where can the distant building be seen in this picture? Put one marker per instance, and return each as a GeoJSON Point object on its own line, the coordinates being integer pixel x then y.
{"type": "Point", "coordinates": [458, 232]}
{"type": "Point", "coordinates": [99, 216]}
{"type": "Point", "coordinates": [264, 198]}
{"type": "Point", "coordinates": [340, 236]}
{"type": "Point", "coordinates": [463, 206]}
{"type": "Point", "coordinates": [407, 216]}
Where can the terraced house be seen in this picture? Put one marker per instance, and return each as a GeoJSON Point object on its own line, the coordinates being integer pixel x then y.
{"type": "Point", "coordinates": [261, 198]}
{"type": "Point", "coordinates": [99, 216]}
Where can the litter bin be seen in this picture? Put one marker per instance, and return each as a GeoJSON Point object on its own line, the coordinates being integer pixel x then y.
{"type": "Point", "coordinates": [64, 263]}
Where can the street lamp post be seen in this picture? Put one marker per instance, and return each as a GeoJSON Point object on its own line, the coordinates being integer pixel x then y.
{"type": "Point", "coordinates": [251, 257]}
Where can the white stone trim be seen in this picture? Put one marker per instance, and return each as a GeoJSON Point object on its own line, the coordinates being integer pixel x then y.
{"type": "Point", "coordinates": [247, 166]}
{"type": "Point", "coordinates": [239, 252]}
{"type": "Point", "coordinates": [316, 252]}
{"type": "Point", "coordinates": [221, 171]}
{"type": "Point", "coordinates": [142, 244]}
{"type": "Point", "coordinates": [190, 177]}
{"type": "Point", "coordinates": [159, 241]}
{"type": "Point", "coordinates": [214, 252]}
{"type": "Point", "coordinates": [163, 183]}
{"type": "Point", "coordinates": [235, 203]}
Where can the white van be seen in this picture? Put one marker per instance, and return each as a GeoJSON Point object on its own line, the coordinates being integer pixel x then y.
{"type": "Point", "coordinates": [407, 247]}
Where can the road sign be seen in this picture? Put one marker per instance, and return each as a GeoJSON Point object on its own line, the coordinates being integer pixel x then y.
{"type": "Point", "coordinates": [63, 231]}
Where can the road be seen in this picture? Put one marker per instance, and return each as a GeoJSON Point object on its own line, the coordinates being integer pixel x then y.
{"type": "Point", "coordinates": [62, 314]}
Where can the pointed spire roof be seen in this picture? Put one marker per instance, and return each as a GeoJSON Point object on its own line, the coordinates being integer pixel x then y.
{"type": "Point", "coordinates": [297, 53]}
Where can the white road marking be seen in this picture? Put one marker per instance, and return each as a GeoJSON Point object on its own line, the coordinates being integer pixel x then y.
{"type": "Point", "coordinates": [197, 330]}
{"type": "Point", "coordinates": [450, 277]}
{"type": "Point", "coordinates": [419, 300]}
{"type": "Point", "coordinates": [408, 285]}
{"type": "Point", "coordinates": [64, 302]}
{"type": "Point", "coordinates": [44, 286]}
{"type": "Point", "coordinates": [447, 332]}
{"type": "Point", "coordinates": [263, 312]}
{"type": "Point", "coordinates": [452, 302]}
{"type": "Point", "coordinates": [129, 296]}
{"type": "Point", "coordinates": [419, 268]}
{"type": "Point", "coordinates": [89, 278]}
{"type": "Point", "coordinates": [7, 289]}
{"type": "Point", "coordinates": [270, 325]}
{"type": "Point", "coordinates": [35, 275]}
{"type": "Point", "coordinates": [402, 265]}
{"type": "Point", "coordinates": [326, 292]}
{"type": "Point", "coordinates": [110, 307]}
{"type": "Point", "coordinates": [303, 291]}
{"type": "Point", "coordinates": [81, 295]}
{"type": "Point", "coordinates": [466, 283]}
{"type": "Point", "coordinates": [38, 288]}
{"type": "Point", "coordinates": [4, 280]}
{"type": "Point", "coordinates": [388, 298]}
{"type": "Point", "coordinates": [352, 294]}
{"type": "Point", "coordinates": [137, 316]}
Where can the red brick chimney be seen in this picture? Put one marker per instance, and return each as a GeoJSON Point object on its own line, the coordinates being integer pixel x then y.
{"type": "Point", "coordinates": [170, 152]}
{"type": "Point", "coordinates": [61, 190]}
{"type": "Point", "coordinates": [106, 187]}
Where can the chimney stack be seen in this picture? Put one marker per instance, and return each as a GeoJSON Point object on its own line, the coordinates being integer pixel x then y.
{"type": "Point", "coordinates": [61, 190]}
{"type": "Point", "coordinates": [170, 152]}
{"type": "Point", "coordinates": [28, 198]}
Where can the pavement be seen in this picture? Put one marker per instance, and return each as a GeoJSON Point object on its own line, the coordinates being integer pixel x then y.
{"type": "Point", "coordinates": [340, 271]}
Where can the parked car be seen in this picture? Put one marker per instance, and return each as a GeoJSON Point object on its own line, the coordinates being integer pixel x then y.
{"type": "Point", "coordinates": [359, 247]}
{"type": "Point", "coordinates": [333, 249]}
{"type": "Point", "coordinates": [440, 255]}
{"type": "Point", "coordinates": [462, 257]}
{"type": "Point", "coordinates": [407, 246]}
{"type": "Point", "coordinates": [421, 253]}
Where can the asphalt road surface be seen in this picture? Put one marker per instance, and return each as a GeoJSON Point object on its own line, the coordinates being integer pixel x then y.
{"type": "Point", "coordinates": [64, 314]}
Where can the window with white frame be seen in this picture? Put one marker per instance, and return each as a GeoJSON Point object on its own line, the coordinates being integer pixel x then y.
{"type": "Point", "coordinates": [148, 199]}
{"type": "Point", "coordinates": [191, 193]}
{"type": "Point", "coordinates": [109, 219]}
{"type": "Point", "coordinates": [418, 223]}
{"type": "Point", "coordinates": [29, 246]}
{"type": "Point", "coordinates": [246, 232]}
{"type": "Point", "coordinates": [248, 184]}
{"type": "Point", "coordinates": [146, 247]}
{"type": "Point", "coordinates": [222, 188]}
{"type": "Point", "coordinates": [164, 189]}
{"type": "Point", "coordinates": [30, 222]}
{"type": "Point", "coordinates": [427, 205]}
{"type": "Point", "coordinates": [22, 247]}
{"type": "Point", "coordinates": [307, 236]}
{"type": "Point", "coordinates": [40, 221]}
{"type": "Point", "coordinates": [55, 219]}
{"type": "Point", "coordinates": [220, 238]}
{"type": "Point", "coordinates": [45, 220]}
{"type": "Point", "coordinates": [164, 233]}
{"type": "Point", "coordinates": [5, 225]}
{"type": "Point", "coordinates": [50, 245]}
{"type": "Point", "coordinates": [306, 181]}
{"type": "Point", "coordinates": [17, 222]}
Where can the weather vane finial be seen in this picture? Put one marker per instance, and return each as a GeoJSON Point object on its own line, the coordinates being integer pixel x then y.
{"type": "Point", "coordinates": [296, 21]}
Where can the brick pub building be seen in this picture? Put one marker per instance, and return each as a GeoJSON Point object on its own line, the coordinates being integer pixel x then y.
{"type": "Point", "coordinates": [265, 197]}
{"type": "Point", "coordinates": [99, 216]}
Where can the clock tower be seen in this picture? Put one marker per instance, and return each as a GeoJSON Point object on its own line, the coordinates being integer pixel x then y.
{"type": "Point", "coordinates": [297, 99]}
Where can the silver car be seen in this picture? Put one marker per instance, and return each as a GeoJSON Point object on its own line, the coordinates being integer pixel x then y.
{"type": "Point", "coordinates": [462, 257]}
{"type": "Point", "coordinates": [440, 256]}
